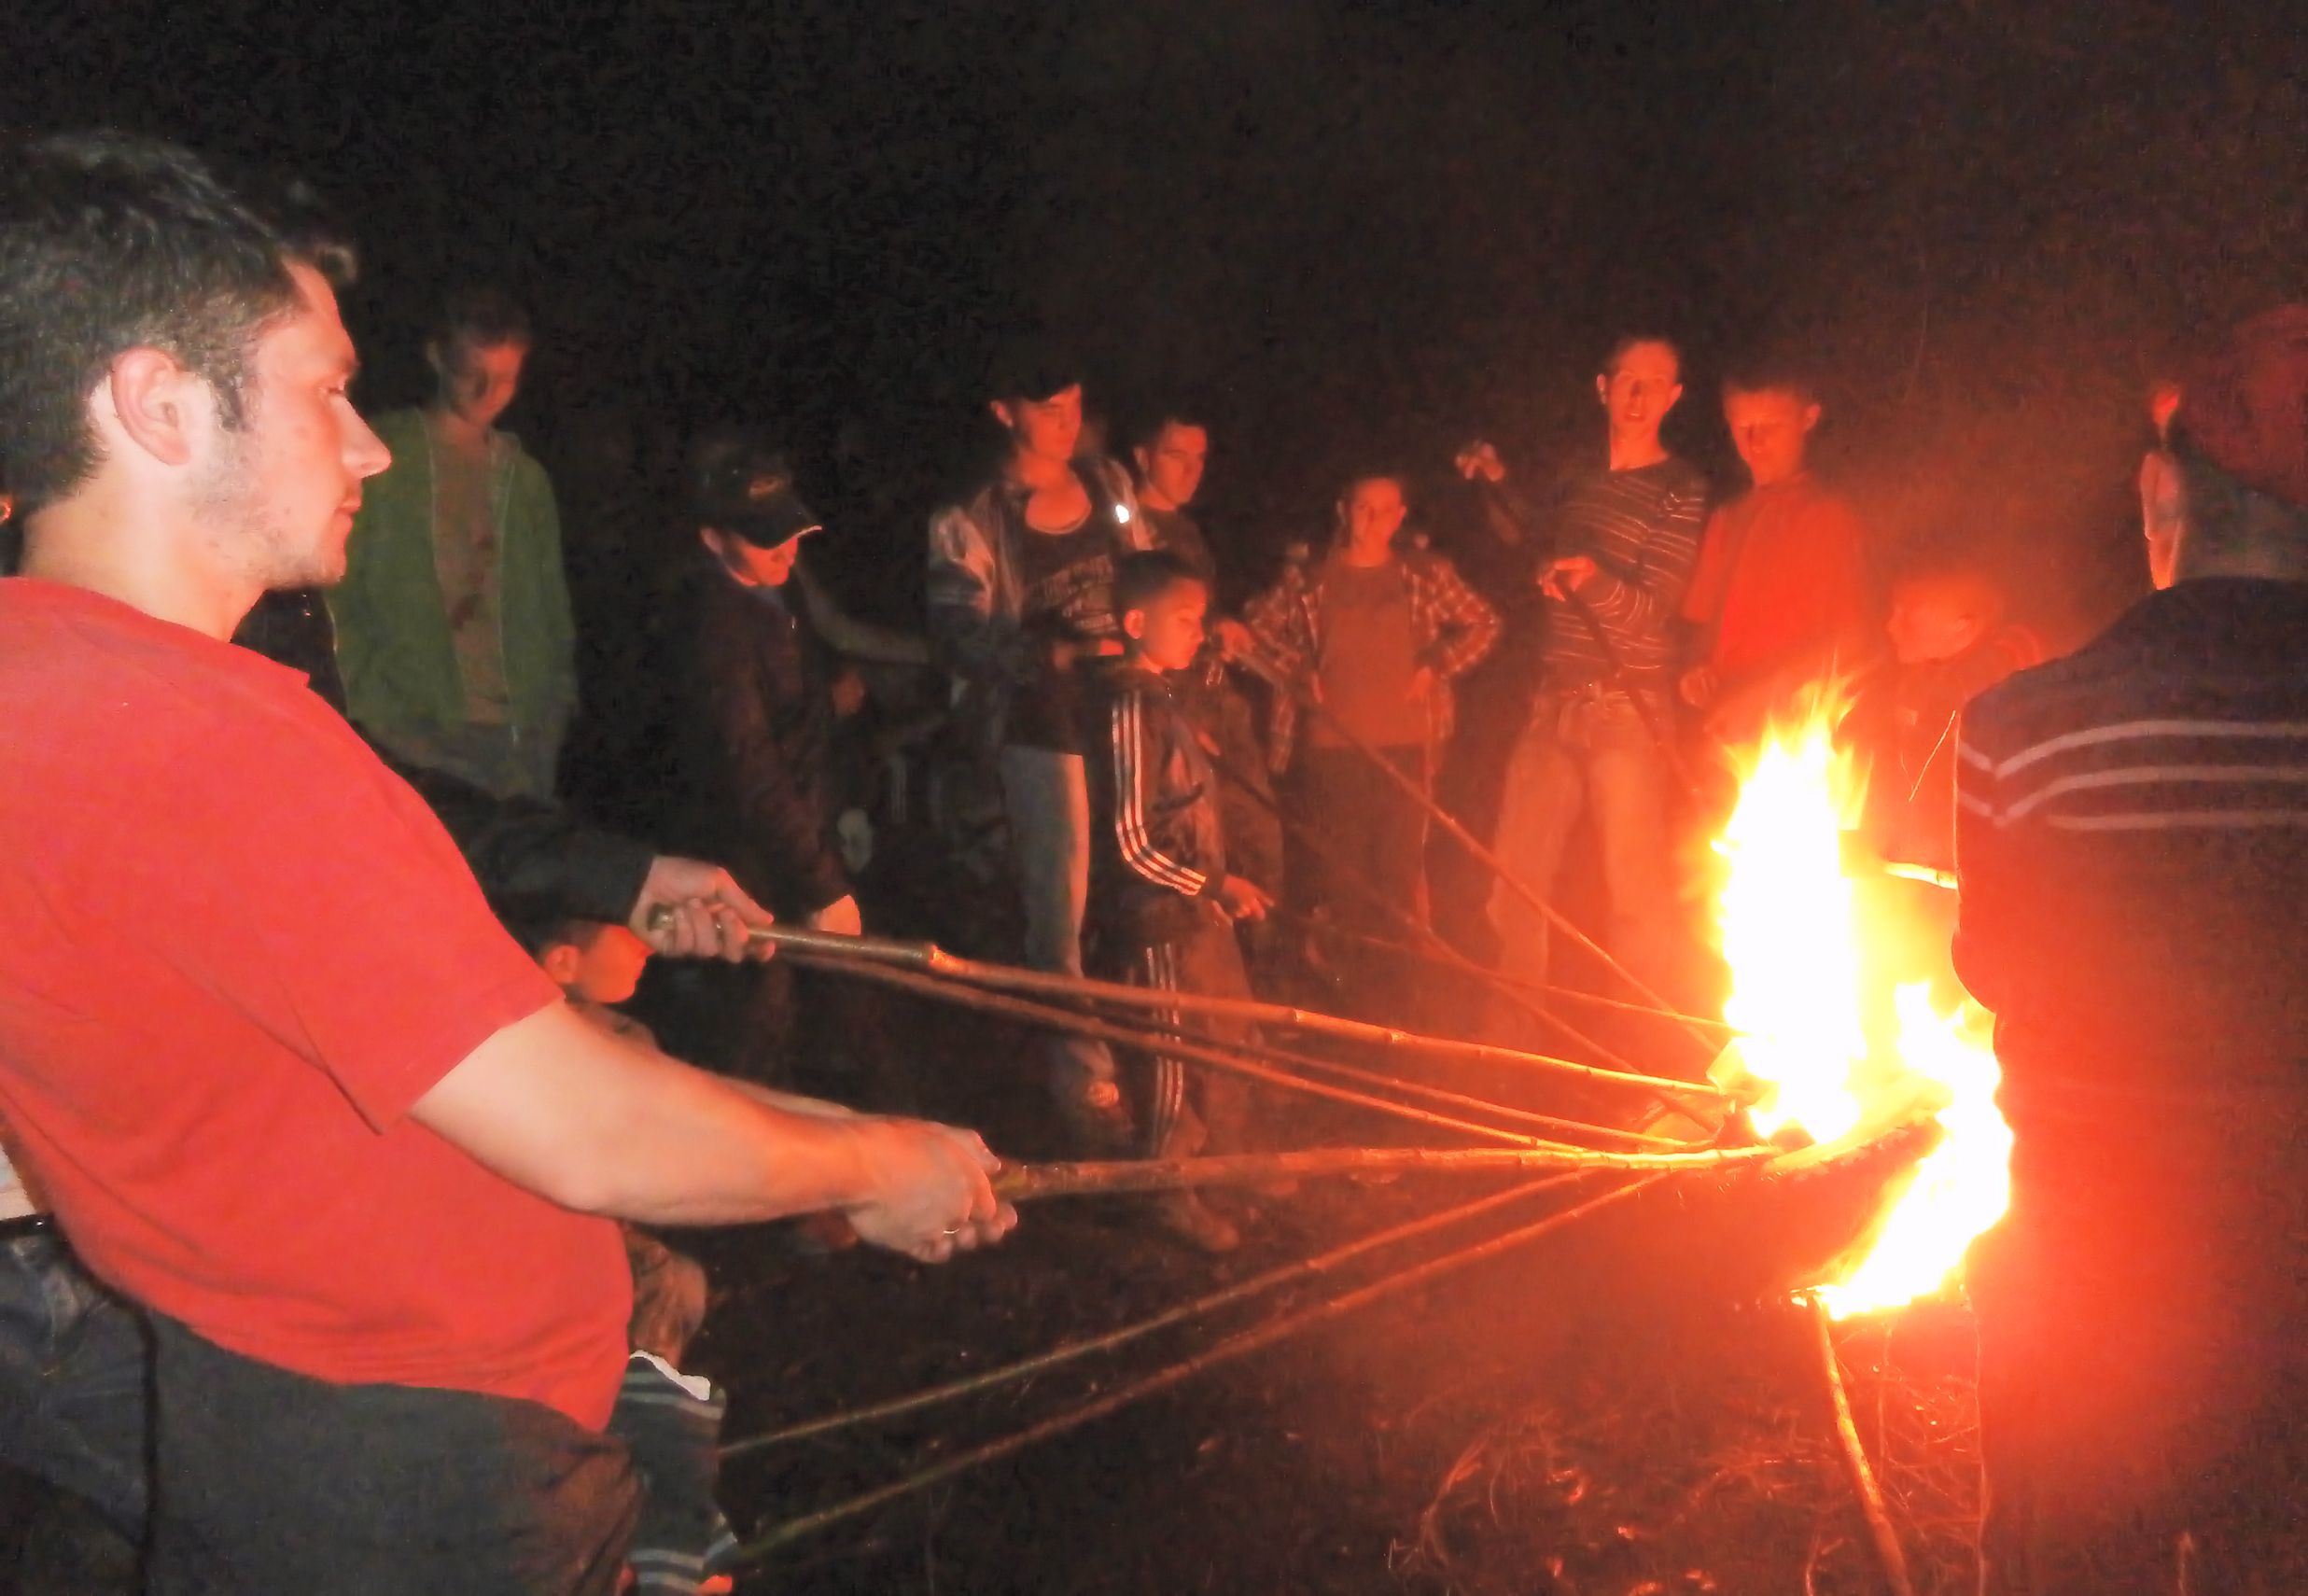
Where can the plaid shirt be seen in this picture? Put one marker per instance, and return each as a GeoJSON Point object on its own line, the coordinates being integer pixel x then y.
{"type": "Point", "coordinates": [1451, 628]}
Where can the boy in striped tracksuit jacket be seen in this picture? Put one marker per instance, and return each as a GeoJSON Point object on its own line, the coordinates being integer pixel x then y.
{"type": "Point", "coordinates": [1163, 905]}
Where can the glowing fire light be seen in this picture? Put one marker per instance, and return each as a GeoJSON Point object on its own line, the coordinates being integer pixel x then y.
{"type": "Point", "coordinates": [1793, 936]}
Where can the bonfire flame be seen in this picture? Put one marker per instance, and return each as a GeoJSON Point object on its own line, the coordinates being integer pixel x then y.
{"type": "Point", "coordinates": [1792, 934]}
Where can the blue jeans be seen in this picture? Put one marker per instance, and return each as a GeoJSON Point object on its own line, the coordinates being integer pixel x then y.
{"type": "Point", "coordinates": [1585, 749]}
{"type": "Point", "coordinates": [1045, 797]}
{"type": "Point", "coordinates": [75, 1380]}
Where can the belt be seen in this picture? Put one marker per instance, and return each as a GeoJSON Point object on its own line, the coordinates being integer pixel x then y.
{"type": "Point", "coordinates": [28, 1225]}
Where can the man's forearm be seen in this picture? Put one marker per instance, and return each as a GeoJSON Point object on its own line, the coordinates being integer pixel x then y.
{"type": "Point", "coordinates": [597, 1124]}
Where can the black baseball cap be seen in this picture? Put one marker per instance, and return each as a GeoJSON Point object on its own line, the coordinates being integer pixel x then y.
{"type": "Point", "coordinates": [743, 484]}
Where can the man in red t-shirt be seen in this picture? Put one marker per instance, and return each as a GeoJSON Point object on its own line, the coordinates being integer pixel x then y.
{"type": "Point", "coordinates": [261, 1043]}
{"type": "Point", "coordinates": [1780, 591]}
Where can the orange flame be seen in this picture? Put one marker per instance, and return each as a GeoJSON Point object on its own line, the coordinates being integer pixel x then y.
{"type": "Point", "coordinates": [1792, 933]}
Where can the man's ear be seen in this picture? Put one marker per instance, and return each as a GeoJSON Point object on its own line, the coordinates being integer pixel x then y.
{"type": "Point", "coordinates": [161, 406]}
{"type": "Point", "coordinates": [1004, 412]}
{"type": "Point", "coordinates": [1603, 388]}
{"type": "Point", "coordinates": [1674, 395]}
{"type": "Point", "coordinates": [1134, 624]}
{"type": "Point", "coordinates": [561, 962]}
{"type": "Point", "coordinates": [1810, 417]}
{"type": "Point", "coordinates": [1144, 458]}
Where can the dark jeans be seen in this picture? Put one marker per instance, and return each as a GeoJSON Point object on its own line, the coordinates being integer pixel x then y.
{"type": "Point", "coordinates": [268, 1481]}
{"type": "Point", "coordinates": [75, 1399]}
{"type": "Point", "coordinates": [2144, 1348]}
{"type": "Point", "coordinates": [1373, 839]}
{"type": "Point", "coordinates": [1185, 1109]}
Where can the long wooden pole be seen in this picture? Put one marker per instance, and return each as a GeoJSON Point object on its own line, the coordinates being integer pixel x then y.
{"type": "Point", "coordinates": [929, 957]}
{"type": "Point", "coordinates": [1199, 1053]}
{"type": "Point", "coordinates": [1027, 1182]}
{"type": "Point", "coordinates": [1890, 1558]}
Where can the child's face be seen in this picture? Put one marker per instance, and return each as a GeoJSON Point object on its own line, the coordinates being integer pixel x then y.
{"type": "Point", "coordinates": [1168, 629]}
{"type": "Point", "coordinates": [1928, 622]}
{"type": "Point", "coordinates": [608, 966]}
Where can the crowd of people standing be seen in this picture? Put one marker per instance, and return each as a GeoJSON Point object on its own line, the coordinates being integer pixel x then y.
{"type": "Point", "coordinates": [287, 694]}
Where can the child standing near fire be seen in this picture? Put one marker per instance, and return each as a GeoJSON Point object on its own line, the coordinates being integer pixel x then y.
{"type": "Point", "coordinates": [1162, 904]}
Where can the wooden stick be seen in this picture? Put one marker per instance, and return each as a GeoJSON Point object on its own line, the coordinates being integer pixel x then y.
{"type": "Point", "coordinates": [1463, 1100]}
{"type": "Point", "coordinates": [1028, 1182]}
{"type": "Point", "coordinates": [1042, 1363]}
{"type": "Point", "coordinates": [1244, 1062]}
{"type": "Point", "coordinates": [1162, 1379]}
{"type": "Point", "coordinates": [1443, 953]}
{"type": "Point", "coordinates": [932, 958]}
{"type": "Point", "coordinates": [1888, 1557]}
{"type": "Point", "coordinates": [1232, 1063]}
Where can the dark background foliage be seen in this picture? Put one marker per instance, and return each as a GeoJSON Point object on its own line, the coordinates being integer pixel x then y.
{"type": "Point", "coordinates": [1355, 231]}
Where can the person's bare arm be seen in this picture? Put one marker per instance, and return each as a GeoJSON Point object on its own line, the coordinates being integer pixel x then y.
{"type": "Point", "coordinates": [596, 1123]}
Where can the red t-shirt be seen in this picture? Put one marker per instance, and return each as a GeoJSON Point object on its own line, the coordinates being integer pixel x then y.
{"type": "Point", "coordinates": [1780, 576]}
{"type": "Point", "coordinates": [239, 949]}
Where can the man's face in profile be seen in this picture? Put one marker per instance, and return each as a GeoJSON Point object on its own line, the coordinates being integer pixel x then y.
{"type": "Point", "coordinates": [279, 493]}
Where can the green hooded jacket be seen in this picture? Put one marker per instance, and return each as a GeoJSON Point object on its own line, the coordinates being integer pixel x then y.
{"type": "Point", "coordinates": [393, 640]}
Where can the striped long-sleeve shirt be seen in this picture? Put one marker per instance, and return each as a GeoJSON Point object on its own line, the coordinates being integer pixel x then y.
{"type": "Point", "coordinates": [2132, 838]}
{"type": "Point", "coordinates": [1641, 529]}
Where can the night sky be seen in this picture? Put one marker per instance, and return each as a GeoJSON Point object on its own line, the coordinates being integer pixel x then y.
{"type": "Point", "coordinates": [1357, 233]}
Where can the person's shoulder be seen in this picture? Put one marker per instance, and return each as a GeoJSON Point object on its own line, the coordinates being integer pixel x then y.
{"type": "Point", "coordinates": [124, 688]}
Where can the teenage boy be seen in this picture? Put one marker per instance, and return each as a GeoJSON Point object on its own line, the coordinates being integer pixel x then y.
{"type": "Point", "coordinates": [454, 629]}
{"type": "Point", "coordinates": [1624, 540]}
{"type": "Point", "coordinates": [1779, 597]}
{"type": "Point", "coordinates": [748, 774]}
{"type": "Point", "coordinates": [1021, 595]}
{"type": "Point", "coordinates": [1163, 902]}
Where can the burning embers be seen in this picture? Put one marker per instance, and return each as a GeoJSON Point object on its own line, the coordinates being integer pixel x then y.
{"type": "Point", "coordinates": [1817, 1051]}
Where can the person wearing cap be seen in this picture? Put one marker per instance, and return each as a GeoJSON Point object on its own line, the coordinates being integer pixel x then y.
{"type": "Point", "coordinates": [2132, 843]}
{"type": "Point", "coordinates": [748, 765]}
{"type": "Point", "coordinates": [1020, 594]}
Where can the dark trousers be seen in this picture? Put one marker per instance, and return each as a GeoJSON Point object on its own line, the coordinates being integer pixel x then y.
{"type": "Point", "coordinates": [2144, 1350]}
{"type": "Point", "coordinates": [1185, 1109]}
{"type": "Point", "coordinates": [269, 1483]}
{"type": "Point", "coordinates": [73, 1390]}
{"type": "Point", "coordinates": [1372, 835]}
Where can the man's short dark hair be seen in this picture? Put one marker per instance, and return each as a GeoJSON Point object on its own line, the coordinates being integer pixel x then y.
{"type": "Point", "coordinates": [1031, 366]}
{"type": "Point", "coordinates": [1152, 420]}
{"type": "Point", "coordinates": [478, 315]}
{"type": "Point", "coordinates": [1627, 341]}
{"type": "Point", "coordinates": [316, 232]}
{"type": "Point", "coordinates": [1771, 374]}
{"type": "Point", "coordinates": [1142, 578]}
{"type": "Point", "coordinates": [109, 243]}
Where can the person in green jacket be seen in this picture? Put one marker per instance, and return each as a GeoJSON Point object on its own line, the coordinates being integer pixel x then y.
{"type": "Point", "coordinates": [454, 629]}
